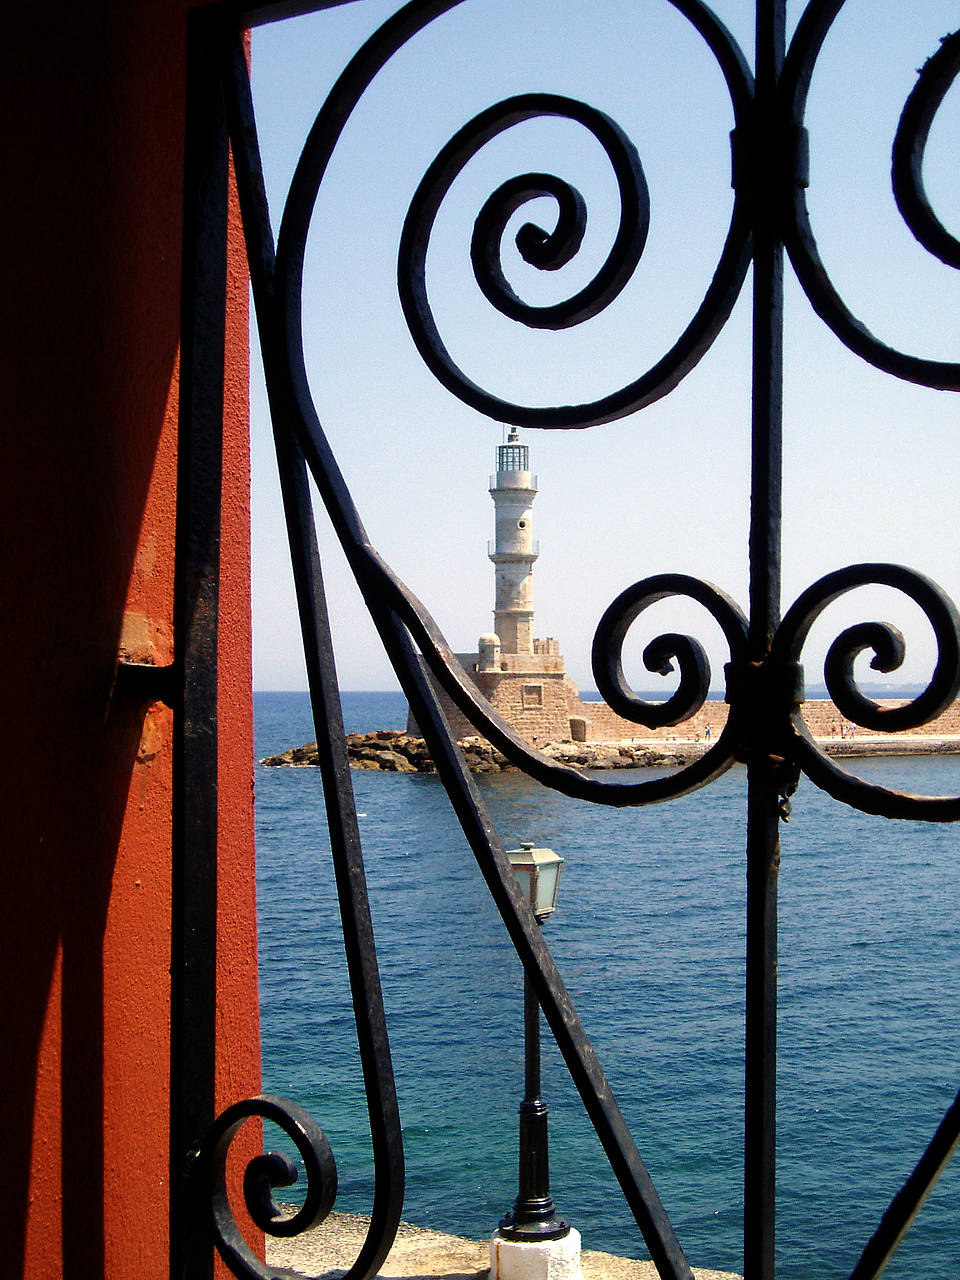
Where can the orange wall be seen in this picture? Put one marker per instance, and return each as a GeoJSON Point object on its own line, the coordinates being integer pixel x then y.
{"type": "Point", "coordinates": [92, 158]}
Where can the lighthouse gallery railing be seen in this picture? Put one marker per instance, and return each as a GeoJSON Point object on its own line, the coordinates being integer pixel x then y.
{"type": "Point", "coordinates": [765, 729]}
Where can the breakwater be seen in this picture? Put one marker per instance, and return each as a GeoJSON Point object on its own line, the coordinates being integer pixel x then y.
{"type": "Point", "coordinates": [393, 751]}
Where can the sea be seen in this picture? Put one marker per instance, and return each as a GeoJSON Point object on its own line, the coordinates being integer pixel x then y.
{"type": "Point", "coordinates": [649, 937]}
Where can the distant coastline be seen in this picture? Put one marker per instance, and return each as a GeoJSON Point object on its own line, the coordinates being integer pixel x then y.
{"type": "Point", "coordinates": [371, 746]}
{"type": "Point", "coordinates": [394, 751]}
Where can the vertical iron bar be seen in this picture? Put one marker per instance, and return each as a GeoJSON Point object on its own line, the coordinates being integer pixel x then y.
{"type": "Point", "coordinates": [763, 862]}
{"type": "Point", "coordinates": [767, 401]}
{"type": "Point", "coordinates": [359, 944]}
{"type": "Point", "coordinates": [582, 1063]}
{"type": "Point", "coordinates": [763, 847]}
{"type": "Point", "coordinates": [194, 871]}
{"type": "Point", "coordinates": [358, 939]}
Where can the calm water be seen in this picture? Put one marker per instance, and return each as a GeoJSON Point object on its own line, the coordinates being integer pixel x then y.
{"type": "Point", "coordinates": [653, 955]}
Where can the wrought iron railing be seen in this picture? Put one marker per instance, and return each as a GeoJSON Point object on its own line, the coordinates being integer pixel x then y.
{"type": "Point", "coordinates": [765, 729]}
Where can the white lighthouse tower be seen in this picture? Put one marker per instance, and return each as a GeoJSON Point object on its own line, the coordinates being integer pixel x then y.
{"type": "Point", "coordinates": [513, 549]}
{"type": "Point", "coordinates": [521, 677]}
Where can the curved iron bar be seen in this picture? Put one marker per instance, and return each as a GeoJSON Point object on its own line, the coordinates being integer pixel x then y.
{"type": "Point", "coordinates": [621, 1150]}
{"type": "Point", "coordinates": [549, 251]}
{"type": "Point", "coordinates": [888, 648]}
{"type": "Point", "coordinates": [372, 574]}
{"type": "Point", "coordinates": [883, 802]}
{"type": "Point", "coordinates": [811, 31]}
{"type": "Point", "coordinates": [908, 1201]}
{"type": "Point", "coordinates": [696, 339]}
{"type": "Point", "coordinates": [659, 654]}
{"type": "Point", "coordinates": [262, 1176]}
{"type": "Point", "coordinates": [530, 945]}
{"type": "Point", "coordinates": [400, 617]}
{"type": "Point", "coordinates": [373, 1043]}
{"type": "Point", "coordinates": [933, 80]}
{"type": "Point", "coordinates": [563, 778]}
{"type": "Point", "coordinates": [377, 581]}
{"type": "Point", "coordinates": [387, 611]}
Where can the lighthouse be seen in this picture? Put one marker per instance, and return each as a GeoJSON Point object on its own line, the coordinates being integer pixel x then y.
{"type": "Point", "coordinates": [522, 677]}
{"type": "Point", "coordinates": [513, 550]}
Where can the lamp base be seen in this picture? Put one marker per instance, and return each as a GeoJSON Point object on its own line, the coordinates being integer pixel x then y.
{"type": "Point", "coordinates": [533, 1229]}
{"type": "Point", "coordinates": [550, 1259]}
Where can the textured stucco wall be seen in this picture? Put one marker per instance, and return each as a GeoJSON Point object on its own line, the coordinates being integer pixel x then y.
{"type": "Point", "coordinates": [93, 169]}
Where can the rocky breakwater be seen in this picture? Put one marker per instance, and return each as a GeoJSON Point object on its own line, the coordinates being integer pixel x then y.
{"type": "Point", "coordinates": [391, 751]}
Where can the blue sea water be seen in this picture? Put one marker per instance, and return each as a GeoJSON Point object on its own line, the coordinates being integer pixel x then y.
{"type": "Point", "coordinates": [649, 936]}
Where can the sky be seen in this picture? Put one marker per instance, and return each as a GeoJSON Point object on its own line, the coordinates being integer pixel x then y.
{"type": "Point", "coordinates": [872, 468]}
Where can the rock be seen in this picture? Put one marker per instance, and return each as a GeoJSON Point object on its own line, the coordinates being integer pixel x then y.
{"type": "Point", "coordinates": [394, 762]}
{"type": "Point", "coordinates": [393, 751]}
{"type": "Point", "coordinates": [306, 755]}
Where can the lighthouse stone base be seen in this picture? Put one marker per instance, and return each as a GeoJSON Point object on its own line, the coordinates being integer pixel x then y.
{"type": "Point", "coordinates": [542, 1260]}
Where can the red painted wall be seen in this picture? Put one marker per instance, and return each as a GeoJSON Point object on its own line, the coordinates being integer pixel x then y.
{"type": "Point", "coordinates": [92, 157]}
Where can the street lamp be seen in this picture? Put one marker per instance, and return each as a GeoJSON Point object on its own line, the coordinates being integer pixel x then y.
{"type": "Point", "coordinates": [533, 1219]}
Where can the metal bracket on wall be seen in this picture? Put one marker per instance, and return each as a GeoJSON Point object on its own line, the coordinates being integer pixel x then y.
{"type": "Point", "coordinates": [146, 682]}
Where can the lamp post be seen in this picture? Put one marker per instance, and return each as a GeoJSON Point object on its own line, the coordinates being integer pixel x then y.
{"type": "Point", "coordinates": [533, 1219]}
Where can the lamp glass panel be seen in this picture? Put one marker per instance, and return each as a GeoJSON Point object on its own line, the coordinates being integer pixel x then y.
{"type": "Point", "coordinates": [525, 873]}
{"type": "Point", "coordinates": [548, 884]}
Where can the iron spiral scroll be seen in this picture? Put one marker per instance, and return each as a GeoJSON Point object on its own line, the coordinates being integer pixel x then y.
{"type": "Point", "coordinates": [933, 81]}
{"type": "Point", "coordinates": [764, 676]}
{"type": "Point", "coordinates": [262, 1176]}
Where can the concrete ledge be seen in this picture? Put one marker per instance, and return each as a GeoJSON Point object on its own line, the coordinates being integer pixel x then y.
{"type": "Point", "coordinates": [328, 1252]}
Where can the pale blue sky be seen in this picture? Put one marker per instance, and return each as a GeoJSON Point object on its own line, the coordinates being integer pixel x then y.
{"type": "Point", "coordinates": [872, 465]}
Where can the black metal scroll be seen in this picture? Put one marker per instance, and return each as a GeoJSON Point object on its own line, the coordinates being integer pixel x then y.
{"type": "Point", "coordinates": [262, 1176]}
{"type": "Point", "coordinates": [888, 649]}
{"type": "Point", "coordinates": [764, 678]}
{"type": "Point", "coordinates": [932, 83]}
